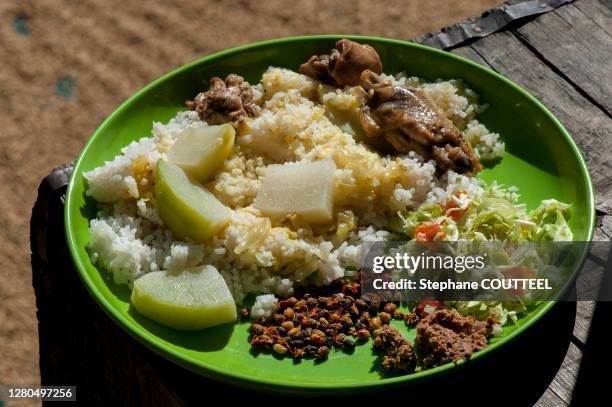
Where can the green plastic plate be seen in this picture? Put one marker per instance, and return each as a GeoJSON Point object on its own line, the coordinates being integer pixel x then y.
{"type": "Point", "coordinates": [541, 159]}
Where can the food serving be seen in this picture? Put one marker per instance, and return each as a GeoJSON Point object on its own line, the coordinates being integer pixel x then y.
{"type": "Point", "coordinates": [272, 189]}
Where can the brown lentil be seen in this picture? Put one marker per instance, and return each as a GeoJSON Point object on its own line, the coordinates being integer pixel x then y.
{"type": "Point", "coordinates": [280, 349]}
{"type": "Point", "coordinates": [384, 317]}
{"type": "Point", "coordinates": [316, 339]}
{"type": "Point", "coordinates": [373, 304]}
{"type": "Point", "coordinates": [361, 304]}
{"type": "Point", "coordinates": [257, 329]}
{"type": "Point", "coordinates": [287, 303]}
{"type": "Point", "coordinates": [309, 325]}
{"type": "Point", "coordinates": [319, 332]}
{"type": "Point", "coordinates": [411, 319]}
{"type": "Point", "coordinates": [348, 344]}
{"type": "Point", "coordinates": [390, 308]}
{"type": "Point", "coordinates": [297, 343]}
{"type": "Point", "coordinates": [289, 313]}
{"type": "Point", "coordinates": [375, 323]}
{"type": "Point", "coordinates": [339, 339]}
{"type": "Point", "coordinates": [363, 334]}
{"type": "Point", "coordinates": [323, 301]}
{"type": "Point", "coordinates": [309, 322]}
{"type": "Point", "coordinates": [312, 302]}
{"type": "Point", "coordinates": [322, 352]}
{"type": "Point", "coordinates": [323, 314]}
{"type": "Point", "coordinates": [287, 325]}
{"type": "Point", "coordinates": [294, 331]}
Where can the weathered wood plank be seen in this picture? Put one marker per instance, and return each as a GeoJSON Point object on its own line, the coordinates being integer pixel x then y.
{"type": "Point", "coordinates": [469, 53]}
{"type": "Point", "coordinates": [589, 126]}
{"type": "Point", "coordinates": [564, 381]}
{"type": "Point", "coordinates": [576, 46]}
{"type": "Point", "coordinates": [550, 399]}
{"type": "Point", "coordinates": [599, 11]}
{"type": "Point", "coordinates": [603, 231]}
{"type": "Point", "coordinates": [489, 22]}
{"type": "Point", "coordinates": [584, 313]}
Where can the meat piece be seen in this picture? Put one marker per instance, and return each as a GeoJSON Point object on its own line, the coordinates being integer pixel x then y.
{"type": "Point", "coordinates": [410, 121]}
{"type": "Point", "coordinates": [344, 64]}
{"type": "Point", "coordinates": [446, 336]}
{"type": "Point", "coordinates": [225, 101]}
{"type": "Point", "coordinates": [398, 354]}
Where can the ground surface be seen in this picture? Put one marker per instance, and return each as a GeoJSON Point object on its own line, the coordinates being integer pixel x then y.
{"type": "Point", "coordinates": [66, 65]}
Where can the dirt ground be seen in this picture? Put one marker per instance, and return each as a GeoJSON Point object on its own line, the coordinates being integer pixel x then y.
{"type": "Point", "coordinates": [66, 65]}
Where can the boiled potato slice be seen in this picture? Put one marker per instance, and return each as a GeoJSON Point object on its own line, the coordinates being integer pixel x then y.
{"type": "Point", "coordinates": [304, 189]}
{"type": "Point", "coordinates": [192, 299]}
{"type": "Point", "coordinates": [267, 143]}
{"type": "Point", "coordinates": [189, 210]}
{"type": "Point", "coordinates": [200, 151]}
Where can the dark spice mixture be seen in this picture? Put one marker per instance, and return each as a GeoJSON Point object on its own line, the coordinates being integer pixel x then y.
{"type": "Point", "coordinates": [310, 324]}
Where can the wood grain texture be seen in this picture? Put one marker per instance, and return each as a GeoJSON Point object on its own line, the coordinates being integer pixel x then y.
{"type": "Point", "coordinates": [469, 53]}
{"type": "Point", "coordinates": [563, 383]}
{"type": "Point", "coordinates": [600, 11]}
{"type": "Point", "coordinates": [589, 126]}
{"type": "Point", "coordinates": [578, 47]}
{"type": "Point", "coordinates": [584, 311]}
{"type": "Point", "coordinates": [603, 231]}
{"type": "Point", "coordinates": [551, 399]}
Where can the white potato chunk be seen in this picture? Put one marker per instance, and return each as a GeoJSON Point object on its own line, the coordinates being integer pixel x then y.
{"type": "Point", "coordinates": [267, 143]}
{"type": "Point", "coordinates": [201, 151]}
{"type": "Point", "coordinates": [306, 190]}
{"type": "Point", "coordinates": [188, 209]}
{"type": "Point", "coordinates": [193, 299]}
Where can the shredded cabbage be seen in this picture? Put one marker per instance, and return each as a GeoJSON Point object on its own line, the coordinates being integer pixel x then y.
{"type": "Point", "coordinates": [494, 214]}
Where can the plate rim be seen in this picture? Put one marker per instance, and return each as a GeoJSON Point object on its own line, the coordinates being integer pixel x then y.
{"type": "Point", "coordinates": [229, 376]}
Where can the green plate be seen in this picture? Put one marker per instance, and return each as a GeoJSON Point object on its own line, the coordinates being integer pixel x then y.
{"type": "Point", "coordinates": [541, 159]}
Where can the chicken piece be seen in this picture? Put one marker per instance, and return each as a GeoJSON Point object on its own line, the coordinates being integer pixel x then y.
{"type": "Point", "coordinates": [344, 64]}
{"type": "Point", "coordinates": [225, 101]}
{"type": "Point", "coordinates": [410, 121]}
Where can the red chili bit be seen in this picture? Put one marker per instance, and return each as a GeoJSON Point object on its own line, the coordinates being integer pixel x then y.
{"type": "Point", "coordinates": [452, 209]}
{"type": "Point", "coordinates": [428, 232]}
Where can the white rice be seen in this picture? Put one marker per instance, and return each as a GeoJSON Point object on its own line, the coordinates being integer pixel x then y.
{"type": "Point", "coordinates": [264, 306]}
{"type": "Point", "coordinates": [301, 121]}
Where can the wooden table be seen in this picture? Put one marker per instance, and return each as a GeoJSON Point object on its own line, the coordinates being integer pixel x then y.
{"type": "Point", "coordinates": [564, 58]}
